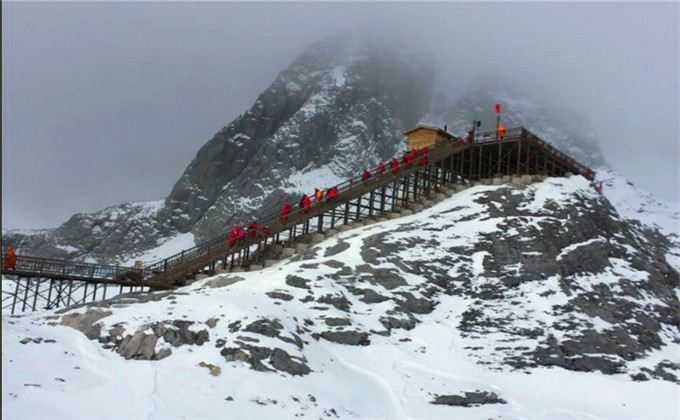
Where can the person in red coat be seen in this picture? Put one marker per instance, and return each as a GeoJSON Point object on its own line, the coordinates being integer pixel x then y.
{"type": "Point", "coordinates": [423, 156]}
{"type": "Point", "coordinates": [394, 163]}
{"type": "Point", "coordinates": [305, 203]}
{"type": "Point", "coordinates": [331, 193]}
{"type": "Point", "coordinates": [285, 211]}
{"type": "Point", "coordinates": [240, 234]}
{"type": "Point", "coordinates": [10, 258]}
{"type": "Point", "coordinates": [381, 168]}
{"type": "Point", "coordinates": [253, 229]}
{"type": "Point", "coordinates": [231, 238]}
{"type": "Point", "coordinates": [365, 176]}
{"type": "Point", "coordinates": [412, 156]}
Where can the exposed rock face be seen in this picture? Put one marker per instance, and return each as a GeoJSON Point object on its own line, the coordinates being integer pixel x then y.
{"type": "Point", "coordinates": [352, 338]}
{"type": "Point", "coordinates": [254, 356]}
{"type": "Point", "coordinates": [470, 399]}
{"type": "Point", "coordinates": [334, 110]}
{"type": "Point", "coordinates": [143, 346]}
{"type": "Point", "coordinates": [87, 322]}
{"type": "Point", "coordinates": [111, 235]}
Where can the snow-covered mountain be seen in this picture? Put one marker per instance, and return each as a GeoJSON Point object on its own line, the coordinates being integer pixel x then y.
{"type": "Point", "coordinates": [497, 302]}
{"type": "Point", "coordinates": [637, 205]}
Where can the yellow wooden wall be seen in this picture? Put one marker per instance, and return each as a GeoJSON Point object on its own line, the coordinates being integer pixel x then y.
{"type": "Point", "coordinates": [421, 138]}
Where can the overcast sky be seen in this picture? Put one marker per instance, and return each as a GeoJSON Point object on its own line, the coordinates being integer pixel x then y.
{"type": "Point", "coordinates": [109, 102]}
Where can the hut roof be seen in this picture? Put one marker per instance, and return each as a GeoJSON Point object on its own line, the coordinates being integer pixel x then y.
{"type": "Point", "coordinates": [429, 127]}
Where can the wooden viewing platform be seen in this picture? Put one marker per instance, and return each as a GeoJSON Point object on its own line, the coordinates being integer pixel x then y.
{"type": "Point", "coordinates": [449, 163]}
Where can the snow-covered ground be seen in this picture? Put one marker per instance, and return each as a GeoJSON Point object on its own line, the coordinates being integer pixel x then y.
{"type": "Point", "coordinates": [77, 379]}
{"type": "Point", "coordinates": [166, 248]}
{"type": "Point", "coordinates": [397, 376]}
{"type": "Point", "coordinates": [635, 204]}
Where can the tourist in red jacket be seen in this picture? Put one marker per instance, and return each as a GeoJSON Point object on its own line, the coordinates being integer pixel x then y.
{"type": "Point", "coordinates": [231, 238]}
{"type": "Point", "coordinates": [10, 258]}
{"type": "Point", "coordinates": [381, 168]}
{"type": "Point", "coordinates": [331, 193]}
{"type": "Point", "coordinates": [365, 176]}
{"type": "Point", "coordinates": [305, 203]}
{"type": "Point", "coordinates": [423, 156]}
{"type": "Point", "coordinates": [285, 211]}
{"type": "Point", "coordinates": [240, 234]}
{"type": "Point", "coordinates": [412, 156]}
{"type": "Point", "coordinates": [253, 229]}
{"type": "Point", "coordinates": [394, 163]}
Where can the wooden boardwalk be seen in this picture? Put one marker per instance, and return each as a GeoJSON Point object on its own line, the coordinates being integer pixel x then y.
{"type": "Point", "coordinates": [448, 163]}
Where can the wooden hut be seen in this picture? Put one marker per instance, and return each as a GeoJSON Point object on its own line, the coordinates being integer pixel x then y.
{"type": "Point", "coordinates": [425, 136]}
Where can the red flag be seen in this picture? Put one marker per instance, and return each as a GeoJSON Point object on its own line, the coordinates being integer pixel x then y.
{"type": "Point", "coordinates": [498, 108]}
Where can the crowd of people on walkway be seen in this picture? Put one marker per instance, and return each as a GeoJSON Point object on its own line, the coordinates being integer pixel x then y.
{"type": "Point", "coordinates": [239, 235]}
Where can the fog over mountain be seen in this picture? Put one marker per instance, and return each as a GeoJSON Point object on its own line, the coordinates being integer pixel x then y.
{"type": "Point", "coordinates": [109, 102]}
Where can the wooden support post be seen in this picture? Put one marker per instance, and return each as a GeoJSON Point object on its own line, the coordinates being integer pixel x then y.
{"type": "Point", "coordinates": [346, 212]}
{"type": "Point", "coordinates": [426, 180]}
{"type": "Point", "coordinates": [70, 293]}
{"type": "Point", "coordinates": [49, 294]}
{"type": "Point", "coordinates": [479, 168]}
{"type": "Point", "coordinates": [358, 214]}
{"type": "Point", "coordinates": [519, 155]}
{"type": "Point", "coordinates": [371, 202]}
{"type": "Point", "coordinates": [28, 285]}
{"type": "Point", "coordinates": [16, 294]}
{"type": "Point", "coordinates": [382, 199]}
{"type": "Point", "coordinates": [487, 173]}
{"type": "Point", "coordinates": [415, 185]}
{"type": "Point", "coordinates": [499, 170]}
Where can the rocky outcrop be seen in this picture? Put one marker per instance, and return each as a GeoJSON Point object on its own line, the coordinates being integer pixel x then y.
{"type": "Point", "coordinates": [352, 338]}
{"type": "Point", "coordinates": [86, 323]}
{"type": "Point", "coordinates": [469, 399]}
{"type": "Point", "coordinates": [143, 346]}
{"type": "Point", "coordinates": [275, 358]}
